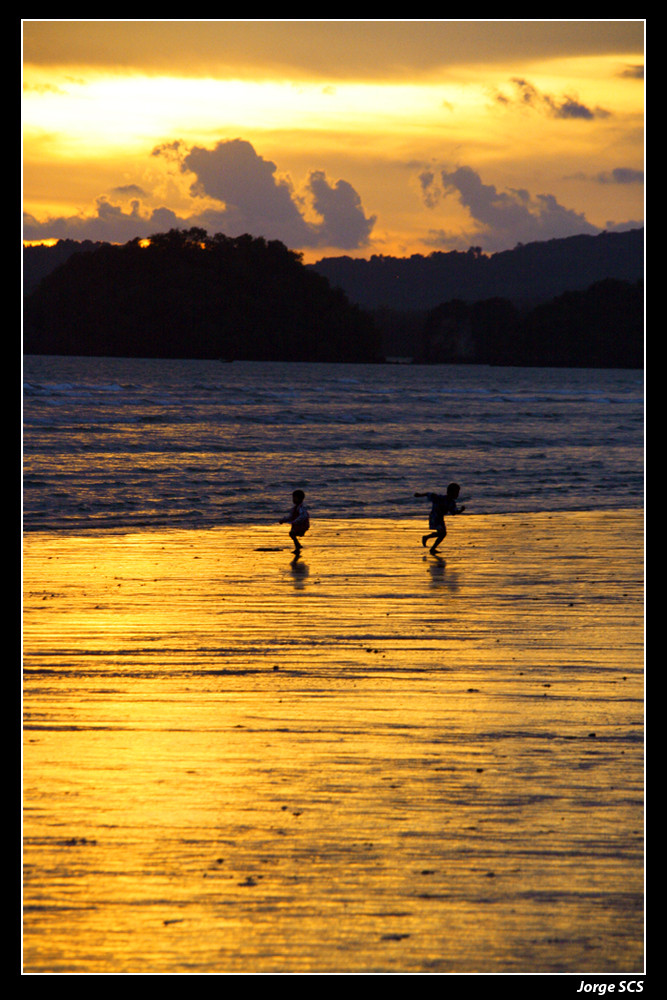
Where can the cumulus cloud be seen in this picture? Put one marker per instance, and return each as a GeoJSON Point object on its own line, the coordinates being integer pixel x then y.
{"type": "Point", "coordinates": [344, 224]}
{"type": "Point", "coordinates": [501, 218]}
{"type": "Point", "coordinates": [254, 199]}
{"type": "Point", "coordinates": [108, 223]}
{"type": "Point", "coordinates": [251, 198]}
{"type": "Point", "coordinates": [526, 95]}
{"type": "Point", "coordinates": [234, 190]}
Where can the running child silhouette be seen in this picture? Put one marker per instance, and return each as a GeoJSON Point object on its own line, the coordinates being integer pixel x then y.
{"type": "Point", "coordinates": [299, 518]}
{"type": "Point", "coordinates": [440, 505]}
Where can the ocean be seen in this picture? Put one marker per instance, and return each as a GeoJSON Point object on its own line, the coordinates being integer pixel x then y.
{"type": "Point", "coordinates": [130, 444]}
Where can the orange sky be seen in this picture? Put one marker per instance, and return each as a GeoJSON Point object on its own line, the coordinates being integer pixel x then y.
{"type": "Point", "coordinates": [355, 137]}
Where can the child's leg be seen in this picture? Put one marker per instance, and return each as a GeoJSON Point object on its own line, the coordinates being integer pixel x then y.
{"type": "Point", "coordinates": [439, 534]}
{"type": "Point", "coordinates": [297, 543]}
{"type": "Point", "coordinates": [439, 537]}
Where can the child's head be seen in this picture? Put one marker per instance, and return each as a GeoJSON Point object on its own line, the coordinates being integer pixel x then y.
{"type": "Point", "coordinates": [453, 490]}
{"type": "Point", "coordinates": [298, 496]}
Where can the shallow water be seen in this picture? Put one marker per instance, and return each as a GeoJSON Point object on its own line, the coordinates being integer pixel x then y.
{"type": "Point", "coordinates": [140, 443]}
{"type": "Point", "coordinates": [361, 760]}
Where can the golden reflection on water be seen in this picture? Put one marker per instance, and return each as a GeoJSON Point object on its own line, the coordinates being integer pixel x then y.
{"type": "Point", "coordinates": [360, 760]}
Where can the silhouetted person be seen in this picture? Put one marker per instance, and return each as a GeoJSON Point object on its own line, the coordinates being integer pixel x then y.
{"type": "Point", "coordinates": [299, 518]}
{"type": "Point", "coordinates": [440, 506]}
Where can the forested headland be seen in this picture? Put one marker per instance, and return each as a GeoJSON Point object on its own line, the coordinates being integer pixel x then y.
{"type": "Point", "coordinates": [189, 295]}
{"type": "Point", "coordinates": [186, 294]}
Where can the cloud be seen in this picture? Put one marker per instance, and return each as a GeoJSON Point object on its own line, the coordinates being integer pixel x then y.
{"type": "Point", "coordinates": [632, 73]}
{"type": "Point", "coordinates": [526, 95]}
{"type": "Point", "coordinates": [129, 191]}
{"type": "Point", "coordinates": [250, 197]}
{"type": "Point", "coordinates": [429, 189]}
{"type": "Point", "coordinates": [327, 50]}
{"type": "Point", "coordinates": [109, 224]}
{"type": "Point", "coordinates": [344, 223]}
{"type": "Point", "coordinates": [234, 190]}
{"type": "Point", "coordinates": [255, 200]}
{"type": "Point", "coordinates": [502, 218]}
{"type": "Point", "coordinates": [621, 175]}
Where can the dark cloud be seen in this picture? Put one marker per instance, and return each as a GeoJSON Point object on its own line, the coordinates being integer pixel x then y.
{"type": "Point", "coordinates": [526, 95]}
{"type": "Point", "coordinates": [109, 223]}
{"type": "Point", "coordinates": [501, 219]}
{"type": "Point", "coordinates": [252, 199]}
{"type": "Point", "coordinates": [430, 191]}
{"type": "Point", "coordinates": [344, 223]}
{"type": "Point", "coordinates": [632, 72]}
{"type": "Point", "coordinates": [622, 175]}
{"type": "Point", "coordinates": [326, 50]}
{"type": "Point", "coordinates": [129, 191]}
{"type": "Point", "coordinates": [619, 175]}
{"type": "Point", "coordinates": [257, 201]}
{"type": "Point", "coordinates": [247, 196]}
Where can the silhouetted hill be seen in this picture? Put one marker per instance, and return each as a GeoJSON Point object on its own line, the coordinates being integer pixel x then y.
{"type": "Point", "coordinates": [573, 302]}
{"type": "Point", "coordinates": [526, 275]}
{"type": "Point", "coordinates": [529, 274]}
{"type": "Point", "coordinates": [599, 327]}
{"type": "Point", "coordinates": [38, 261]}
{"type": "Point", "coordinates": [190, 296]}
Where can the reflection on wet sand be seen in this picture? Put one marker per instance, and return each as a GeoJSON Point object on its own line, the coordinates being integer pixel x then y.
{"type": "Point", "coordinates": [357, 760]}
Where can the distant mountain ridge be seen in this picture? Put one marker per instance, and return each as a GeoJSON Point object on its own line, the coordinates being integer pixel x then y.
{"type": "Point", "coordinates": [529, 274]}
{"type": "Point", "coordinates": [570, 302]}
{"type": "Point", "coordinates": [40, 261]}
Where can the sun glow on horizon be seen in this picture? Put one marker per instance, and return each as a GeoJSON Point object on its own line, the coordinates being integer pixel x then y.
{"type": "Point", "coordinates": [128, 112]}
{"type": "Point", "coordinates": [90, 136]}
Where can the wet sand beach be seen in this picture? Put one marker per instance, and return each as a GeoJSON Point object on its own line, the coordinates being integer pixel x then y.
{"type": "Point", "coordinates": [363, 760]}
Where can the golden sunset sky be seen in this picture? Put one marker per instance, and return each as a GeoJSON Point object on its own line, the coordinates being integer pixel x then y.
{"type": "Point", "coordinates": [336, 137]}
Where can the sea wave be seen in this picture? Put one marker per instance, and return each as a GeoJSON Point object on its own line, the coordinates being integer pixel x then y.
{"type": "Point", "coordinates": [118, 443]}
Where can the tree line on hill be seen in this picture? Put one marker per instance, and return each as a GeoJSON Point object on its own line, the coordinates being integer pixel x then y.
{"type": "Point", "coordinates": [527, 275]}
{"type": "Point", "coordinates": [186, 294]}
{"type": "Point", "coordinates": [599, 327]}
{"type": "Point", "coordinates": [189, 295]}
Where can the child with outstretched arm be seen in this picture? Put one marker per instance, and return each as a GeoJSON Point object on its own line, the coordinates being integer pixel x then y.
{"type": "Point", "coordinates": [440, 506]}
